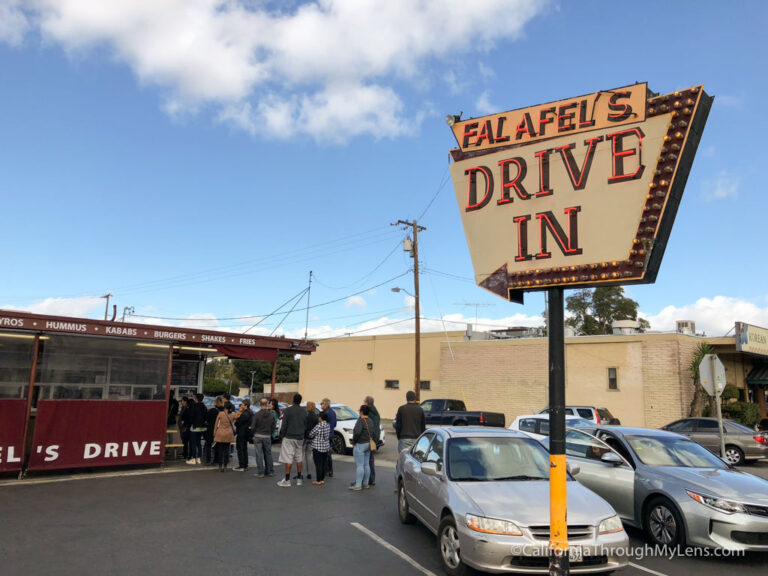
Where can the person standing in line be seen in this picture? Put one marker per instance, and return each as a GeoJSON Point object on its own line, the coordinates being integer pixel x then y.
{"type": "Point", "coordinates": [292, 436]}
{"type": "Point", "coordinates": [184, 424]}
{"type": "Point", "coordinates": [243, 421]}
{"type": "Point", "coordinates": [210, 421]}
{"type": "Point", "coordinates": [196, 430]}
{"type": "Point", "coordinates": [409, 422]}
{"type": "Point", "coordinates": [173, 408]}
{"type": "Point", "coordinates": [375, 425]}
{"type": "Point", "coordinates": [361, 437]}
{"type": "Point", "coordinates": [330, 417]}
{"type": "Point", "coordinates": [307, 454]}
{"type": "Point", "coordinates": [223, 435]}
{"type": "Point", "coordinates": [264, 425]}
{"type": "Point", "coordinates": [275, 407]}
{"type": "Point", "coordinates": [319, 436]}
{"type": "Point", "coordinates": [230, 408]}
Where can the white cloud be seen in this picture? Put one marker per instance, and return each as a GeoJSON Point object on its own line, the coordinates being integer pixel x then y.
{"type": "Point", "coordinates": [486, 71]}
{"type": "Point", "coordinates": [355, 302]}
{"type": "Point", "coordinates": [325, 68]}
{"type": "Point", "coordinates": [13, 22]}
{"type": "Point", "coordinates": [713, 316]}
{"type": "Point", "coordinates": [82, 307]}
{"type": "Point", "coordinates": [484, 105]}
{"type": "Point", "coordinates": [410, 302]}
{"type": "Point", "coordinates": [722, 187]}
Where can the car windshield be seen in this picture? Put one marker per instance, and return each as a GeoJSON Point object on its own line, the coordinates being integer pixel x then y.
{"type": "Point", "coordinates": [345, 413]}
{"type": "Point", "coordinates": [579, 423]}
{"type": "Point", "coordinates": [489, 459]}
{"type": "Point", "coordinates": [671, 451]}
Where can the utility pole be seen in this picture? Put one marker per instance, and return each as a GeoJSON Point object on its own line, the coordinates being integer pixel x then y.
{"type": "Point", "coordinates": [309, 289]}
{"type": "Point", "coordinates": [414, 250]}
{"type": "Point", "coordinates": [108, 295]}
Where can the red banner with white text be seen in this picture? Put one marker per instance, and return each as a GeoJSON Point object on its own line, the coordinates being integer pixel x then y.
{"type": "Point", "coordinates": [12, 415]}
{"type": "Point", "coordinates": [95, 433]}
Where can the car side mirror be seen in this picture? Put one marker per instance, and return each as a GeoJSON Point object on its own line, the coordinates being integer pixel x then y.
{"type": "Point", "coordinates": [430, 469]}
{"type": "Point", "coordinates": [573, 470]}
{"type": "Point", "coordinates": [611, 458]}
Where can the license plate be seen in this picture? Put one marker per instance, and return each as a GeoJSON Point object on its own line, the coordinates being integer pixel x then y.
{"type": "Point", "coordinates": [575, 554]}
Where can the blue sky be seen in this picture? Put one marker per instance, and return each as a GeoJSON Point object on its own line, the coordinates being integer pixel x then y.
{"type": "Point", "coordinates": [198, 159]}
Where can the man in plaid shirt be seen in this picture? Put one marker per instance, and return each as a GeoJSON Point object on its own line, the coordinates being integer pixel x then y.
{"type": "Point", "coordinates": [321, 445]}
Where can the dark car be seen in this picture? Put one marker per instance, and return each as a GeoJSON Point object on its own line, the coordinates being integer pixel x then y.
{"type": "Point", "coordinates": [741, 443]}
{"type": "Point", "coordinates": [449, 412]}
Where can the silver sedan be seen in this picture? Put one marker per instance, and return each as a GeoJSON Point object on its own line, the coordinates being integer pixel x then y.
{"type": "Point", "coordinates": [675, 489]}
{"type": "Point", "coordinates": [485, 494]}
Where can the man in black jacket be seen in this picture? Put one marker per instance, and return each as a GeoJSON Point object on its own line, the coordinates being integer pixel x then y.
{"type": "Point", "coordinates": [409, 422]}
{"type": "Point", "coordinates": [198, 413]}
{"type": "Point", "coordinates": [373, 414]}
{"type": "Point", "coordinates": [292, 435]}
{"type": "Point", "coordinates": [242, 431]}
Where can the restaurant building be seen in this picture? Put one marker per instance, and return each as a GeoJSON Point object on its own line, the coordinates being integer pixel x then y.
{"type": "Point", "coordinates": [88, 393]}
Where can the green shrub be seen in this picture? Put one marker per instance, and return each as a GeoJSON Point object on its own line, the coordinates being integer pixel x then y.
{"type": "Point", "coordinates": [743, 412]}
{"type": "Point", "coordinates": [731, 393]}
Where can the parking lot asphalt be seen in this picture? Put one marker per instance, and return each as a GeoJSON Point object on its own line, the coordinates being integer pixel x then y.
{"type": "Point", "coordinates": [195, 520]}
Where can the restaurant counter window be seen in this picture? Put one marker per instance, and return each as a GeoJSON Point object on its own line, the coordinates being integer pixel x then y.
{"type": "Point", "coordinates": [92, 368]}
{"type": "Point", "coordinates": [425, 385]}
{"type": "Point", "coordinates": [15, 364]}
{"type": "Point", "coordinates": [391, 384]}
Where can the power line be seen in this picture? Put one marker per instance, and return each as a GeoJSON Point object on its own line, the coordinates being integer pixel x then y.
{"type": "Point", "coordinates": [299, 295]}
{"type": "Point", "coordinates": [440, 187]}
{"type": "Point", "coordinates": [185, 318]}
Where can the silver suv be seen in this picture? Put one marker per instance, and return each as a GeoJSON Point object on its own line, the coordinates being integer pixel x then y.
{"type": "Point", "coordinates": [600, 416]}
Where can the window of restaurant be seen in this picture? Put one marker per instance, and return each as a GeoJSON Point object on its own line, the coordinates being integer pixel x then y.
{"type": "Point", "coordinates": [184, 377]}
{"type": "Point", "coordinates": [15, 364]}
{"type": "Point", "coordinates": [92, 368]}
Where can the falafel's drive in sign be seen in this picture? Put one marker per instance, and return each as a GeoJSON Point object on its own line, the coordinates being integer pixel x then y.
{"type": "Point", "coordinates": [576, 193]}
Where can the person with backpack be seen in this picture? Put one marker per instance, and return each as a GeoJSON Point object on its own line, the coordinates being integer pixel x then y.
{"type": "Point", "coordinates": [243, 427]}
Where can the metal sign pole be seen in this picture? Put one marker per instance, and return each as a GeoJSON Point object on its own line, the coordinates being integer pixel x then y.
{"type": "Point", "coordinates": [559, 564]}
{"type": "Point", "coordinates": [718, 397]}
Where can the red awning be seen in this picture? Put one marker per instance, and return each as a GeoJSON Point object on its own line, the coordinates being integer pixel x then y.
{"type": "Point", "coordinates": [248, 353]}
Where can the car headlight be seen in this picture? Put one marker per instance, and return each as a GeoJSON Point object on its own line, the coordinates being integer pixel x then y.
{"type": "Point", "coordinates": [492, 526]}
{"type": "Point", "coordinates": [610, 525]}
{"type": "Point", "coordinates": [719, 504]}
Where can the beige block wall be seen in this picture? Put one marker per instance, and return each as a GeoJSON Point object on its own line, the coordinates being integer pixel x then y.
{"type": "Point", "coordinates": [338, 369]}
{"type": "Point", "coordinates": [509, 376]}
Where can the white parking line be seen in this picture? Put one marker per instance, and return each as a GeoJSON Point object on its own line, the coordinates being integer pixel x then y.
{"type": "Point", "coordinates": [644, 569]}
{"type": "Point", "coordinates": [391, 548]}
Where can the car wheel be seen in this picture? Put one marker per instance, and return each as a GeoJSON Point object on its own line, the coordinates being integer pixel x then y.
{"type": "Point", "coordinates": [337, 444]}
{"type": "Point", "coordinates": [733, 455]}
{"type": "Point", "coordinates": [450, 548]}
{"type": "Point", "coordinates": [663, 523]}
{"type": "Point", "coordinates": [403, 510]}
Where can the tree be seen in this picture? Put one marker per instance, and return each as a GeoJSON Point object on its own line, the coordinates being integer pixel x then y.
{"type": "Point", "coordinates": [593, 311]}
{"type": "Point", "coordinates": [701, 401]}
{"type": "Point", "coordinates": [287, 371]}
{"type": "Point", "coordinates": [219, 377]}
